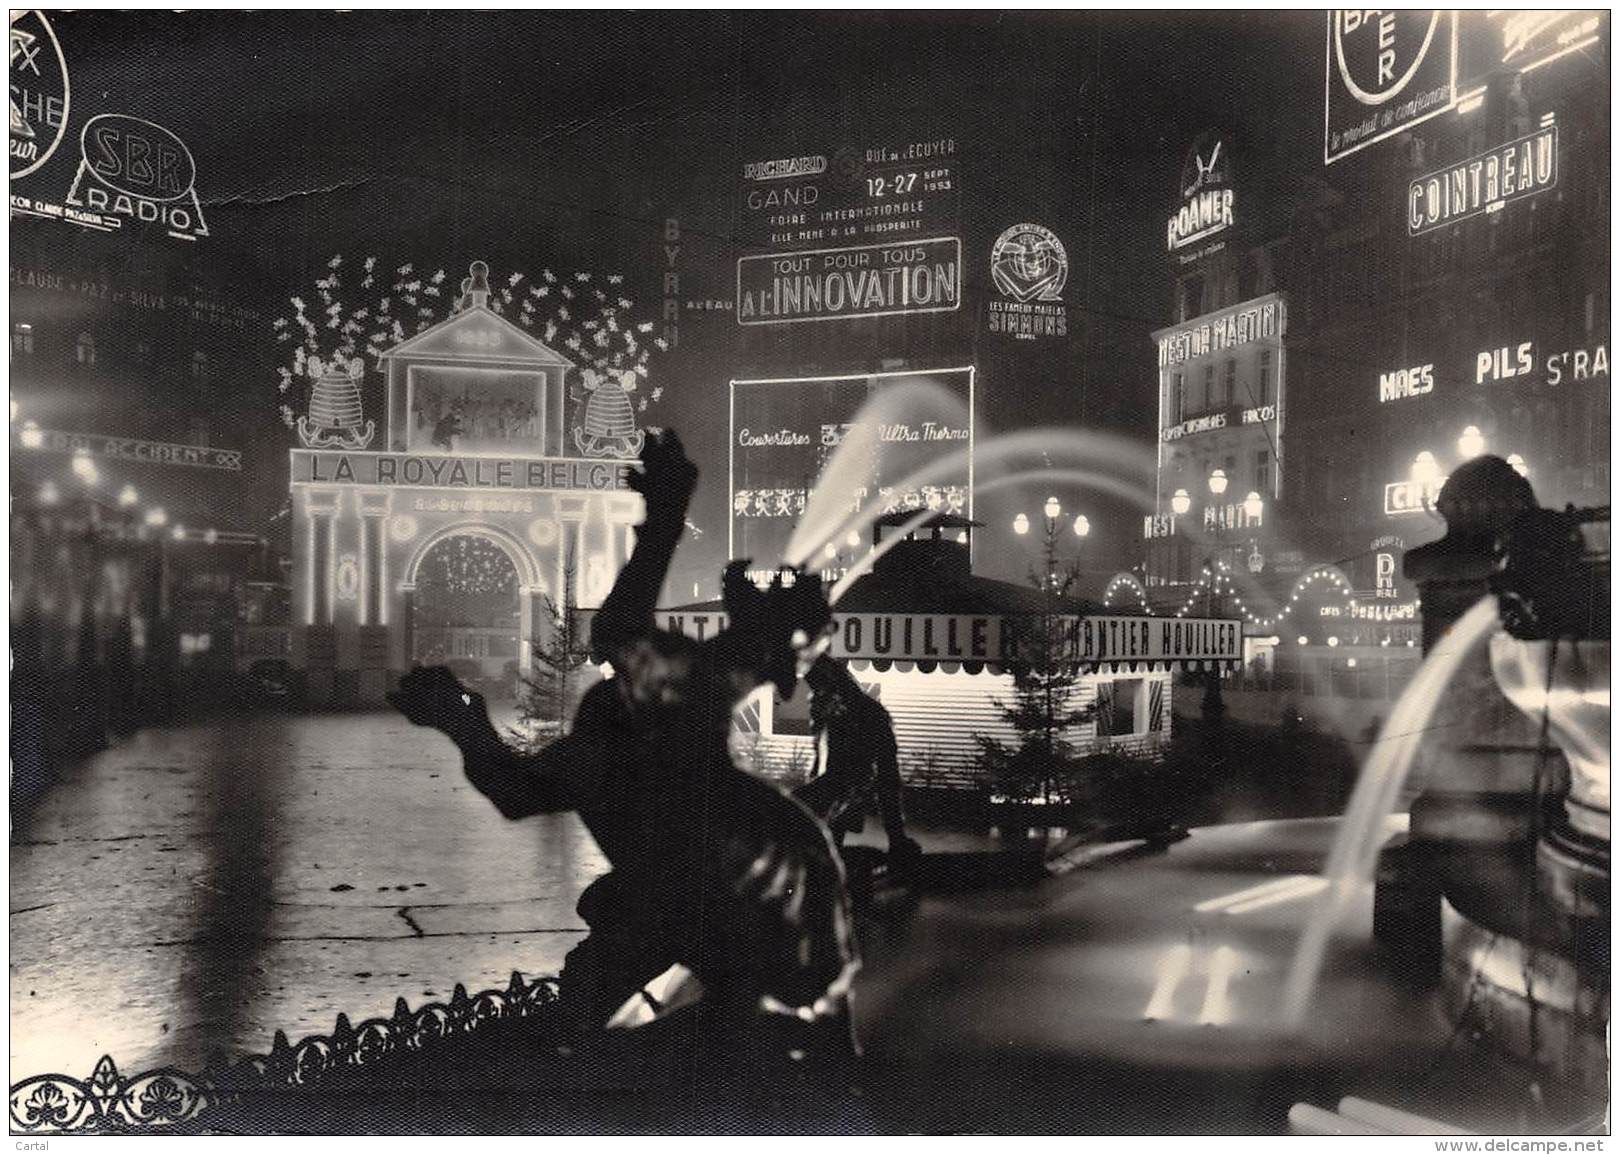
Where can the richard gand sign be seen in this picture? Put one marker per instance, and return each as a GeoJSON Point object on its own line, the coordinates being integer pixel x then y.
{"type": "Point", "coordinates": [1387, 70]}
{"type": "Point", "coordinates": [1087, 641]}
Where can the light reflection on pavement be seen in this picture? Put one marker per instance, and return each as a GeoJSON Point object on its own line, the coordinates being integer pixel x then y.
{"type": "Point", "coordinates": [197, 888]}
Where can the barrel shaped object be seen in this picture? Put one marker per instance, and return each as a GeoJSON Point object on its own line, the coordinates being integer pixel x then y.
{"type": "Point", "coordinates": [608, 413]}
{"type": "Point", "coordinates": [335, 402]}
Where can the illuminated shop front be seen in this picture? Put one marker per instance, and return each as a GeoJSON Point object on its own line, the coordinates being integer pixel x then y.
{"type": "Point", "coordinates": [445, 541]}
{"type": "Point", "coordinates": [1220, 434]}
{"type": "Point", "coordinates": [933, 643]}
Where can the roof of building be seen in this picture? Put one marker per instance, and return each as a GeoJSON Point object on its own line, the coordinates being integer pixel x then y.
{"type": "Point", "coordinates": [484, 336]}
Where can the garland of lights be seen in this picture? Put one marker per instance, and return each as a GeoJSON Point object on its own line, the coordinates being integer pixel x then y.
{"type": "Point", "coordinates": [471, 565]}
{"type": "Point", "coordinates": [145, 516]}
{"type": "Point", "coordinates": [1221, 583]}
{"type": "Point", "coordinates": [1135, 586]}
{"type": "Point", "coordinates": [585, 314]}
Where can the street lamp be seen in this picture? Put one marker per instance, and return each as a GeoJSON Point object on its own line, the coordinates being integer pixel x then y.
{"type": "Point", "coordinates": [32, 436]}
{"type": "Point", "coordinates": [1217, 482]}
{"type": "Point", "coordinates": [127, 496]}
{"type": "Point", "coordinates": [1518, 464]}
{"type": "Point", "coordinates": [84, 469]}
{"type": "Point", "coordinates": [1425, 469]}
{"type": "Point", "coordinates": [1471, 444]}
{"type": "Point", "coordinates": [1253, 506]}
{"type": "Point", "coordinates": [157, 516]}
{"type": "Point", "coordinates": [48, 494]}
{"type": "Point", "coordinates": [1052, 512]}
{"type": "Point", "coordinates": [1180, 502]}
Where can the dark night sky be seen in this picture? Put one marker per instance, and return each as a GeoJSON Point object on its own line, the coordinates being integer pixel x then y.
{"type": "Point", "coordinates": [565, 140]}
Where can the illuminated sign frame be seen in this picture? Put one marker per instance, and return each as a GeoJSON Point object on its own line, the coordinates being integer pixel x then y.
{"type": "Point", "coordinates": [1545, 35]}
{"type": "Point", "coordinates": [453, 472]}
{"type": "Point", "coordinates": [1468, 180]}
{"type": "Point", "coordinates": [129, 449]}
{"type": "Point", "coordinates": [111, 203]}
{"type": "Point", "coordinates": [1206, 199]}
{"type": "Point", "coordinates": [1087, 641]}
{"type": "Point", "coordinates": [731, 438]}
{"type": "Point", "coordinates": [21, 40]}
{"type": "Point", "coordinates": [865, 288]}
{"type": "Point", "coordinates": [1403, 498]}
{"type": "Point", "coordinates": [1383, 120]}
{"type": "Point", "coordinates": [1261, 319]}
{"type": "Point", "coordinates": [1406, 382]}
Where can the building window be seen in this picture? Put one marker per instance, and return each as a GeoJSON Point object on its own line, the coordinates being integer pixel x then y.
{"type": "Point", "coordinates": [199, 366]}
{"type": "Point", "coordinates": [1229, 385]}
{"type": "Point", "coordinates": [1265, 377]}
{"type": "Point", "coordinates": [1262, 471]}
{"type": "Point", "coordinates": [143, 353]}
{"type": "Point", "coordinates": [1117, 707]}
{"type": "Point", "coordinates": [84, 351]}
{"type": "Point", "coordinates": [1179, 398]}
{"type": "Point", "coordinates": [1208, 399]}
{"type": "Point", "coordinates": [22, 339]}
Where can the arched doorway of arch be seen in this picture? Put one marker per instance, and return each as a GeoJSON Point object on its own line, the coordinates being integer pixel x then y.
{"type": "Point", "coordinates": [467, 612]}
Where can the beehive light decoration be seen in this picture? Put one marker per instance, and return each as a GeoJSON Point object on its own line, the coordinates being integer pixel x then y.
{"type": "Point", "coordinates": [334, 417]}
{"type": "Point", "coordinates": [609, 425]}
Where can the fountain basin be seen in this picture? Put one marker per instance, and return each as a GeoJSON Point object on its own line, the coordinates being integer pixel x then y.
{"type": "Point", "coordinates": [1566, 681]}
{"type": "Point", "coordinates": [1544, 1006]}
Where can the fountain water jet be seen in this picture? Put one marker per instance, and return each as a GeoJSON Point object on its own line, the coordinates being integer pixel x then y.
{"type": "Point", "coordinates": [1362, 831]}
{"type": "Point", "coordinates": [827, 516]}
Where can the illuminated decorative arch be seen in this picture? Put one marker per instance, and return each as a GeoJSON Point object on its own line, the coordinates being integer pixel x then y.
{"type": "Point", "coordinates": [1323, 572]}
{"type": "Point", "coordinates": [1122, 581]}
{"type": "Point", "coordinates": [528, 569]}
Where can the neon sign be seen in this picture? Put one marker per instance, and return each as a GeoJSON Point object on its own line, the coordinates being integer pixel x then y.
{"type": "Point", "coordinates": [1206, 192]}
{"type": "Point", "coordinates": [1264, 318]}
{"type": "Point", "coordinates": [134, 449]}
{"type": "Point", "coordinates": [1195, 425]}
{"type": "Point", "coordinates": [1580, 364]}
{"type": "Point", "coordinates": [1401, 383]}
{"type": "Point", "coordinates": [132, 169]}
{"type": "Point", "coordinates": [1387, 70]}
{"type": "Point", "coordinates": [1505, 363]}
{"type": "Point", "coordinates": [857, 282]}
{"type": "Point", "coordinates": [770, 474]}
{"type": "Point", "coordinates": [996, 638]}
{"type": "Point", "coordinates": [1404, 497]}
{"type": "Point", "coordinates": [1029, 265]}
{"type": "Point", "coordinates": [39, 92]}
{"type": "Point", "coordinates": [1536, 37]}
{"type": "Point", "coordinates": [1484, 183]}
{"type": "Point", "coordinates": [329, 467]}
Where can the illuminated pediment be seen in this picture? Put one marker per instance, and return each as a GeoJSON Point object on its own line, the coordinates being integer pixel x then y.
{"type": "Point", "coordinates": [474, 336]}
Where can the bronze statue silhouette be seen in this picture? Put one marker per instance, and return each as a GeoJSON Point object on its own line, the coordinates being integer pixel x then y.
{"type": "Point", "coordinates": [713, 868]}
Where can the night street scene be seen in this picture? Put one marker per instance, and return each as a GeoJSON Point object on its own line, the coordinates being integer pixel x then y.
{"type": "Point", "coordinates": [849, 573]}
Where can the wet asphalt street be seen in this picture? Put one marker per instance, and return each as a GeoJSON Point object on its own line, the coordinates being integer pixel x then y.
{"type": "Point", "coordinates": [199, 887]}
